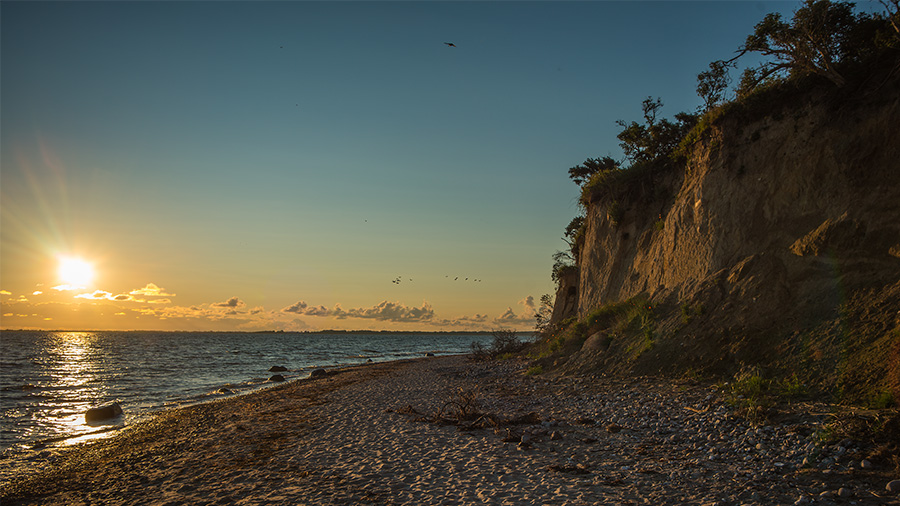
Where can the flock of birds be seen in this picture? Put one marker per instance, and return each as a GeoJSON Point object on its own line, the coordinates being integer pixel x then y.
{"type": "Point", "coordinates": [399, 279]}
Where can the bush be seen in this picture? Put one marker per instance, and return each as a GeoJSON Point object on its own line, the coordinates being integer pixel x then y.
{"type": "Point", "coordinates": [506, 342]}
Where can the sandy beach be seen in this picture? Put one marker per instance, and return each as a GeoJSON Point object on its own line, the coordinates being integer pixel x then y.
{"type": "Point", "coordinates": [448, 430]}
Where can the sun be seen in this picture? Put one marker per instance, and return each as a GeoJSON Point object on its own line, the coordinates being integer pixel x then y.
{"type": "Point", "coordinates": [75, 271]}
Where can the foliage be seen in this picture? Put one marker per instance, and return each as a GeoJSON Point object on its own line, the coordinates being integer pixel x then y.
{"type": "Point", "coordinates": [713, 83]}
{"type": "Point", "coordinates": [652, 139]}
{"type": "Point", "coordinates": [544, 313]}
{"type": "Point", "coordinates": [749, 395]}
{"type": "Point", "coordinates": [534, 370]}
{"type": "Point", "coordinates": [582, 173]}
{"type": "Point", "coordinates": [823, 38]}
{"type": "Point", "coordinates": [615, 212]}
{"type": "Point", "coordinates": [688, 312]}
{"type": "Point", "coordinates": [753, 395]}
{"type": "Point", "coordinates": [505, 341]}
{"type": "Point", "coordinates": [563, 263]}
{"type": "Point", "coordinates": [615, 319]}
{"type": "Point", "coordinates": [574, 235]}
{"type": "Point", "coordinates": [880, 399]}
{"type": "Point", "coordinates": [893, 10]}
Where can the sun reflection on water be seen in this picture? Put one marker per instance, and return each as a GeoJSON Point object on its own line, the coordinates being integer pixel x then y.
{"type": "Point", "coordinates": [73, 383]}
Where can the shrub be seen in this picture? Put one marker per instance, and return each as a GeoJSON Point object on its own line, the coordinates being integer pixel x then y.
{"type": "Point", "coordinates": [506, 343]}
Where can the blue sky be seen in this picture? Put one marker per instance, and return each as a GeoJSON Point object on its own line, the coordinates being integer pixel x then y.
{"type": "Point", "coordinates": [244, 157]}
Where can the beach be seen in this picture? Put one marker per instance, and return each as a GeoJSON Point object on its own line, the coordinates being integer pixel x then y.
{"type": "Point", "coordinates": [449, 430]}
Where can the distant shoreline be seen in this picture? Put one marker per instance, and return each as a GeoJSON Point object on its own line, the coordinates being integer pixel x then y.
{"type": "Point", "coordinates": [459, 332]}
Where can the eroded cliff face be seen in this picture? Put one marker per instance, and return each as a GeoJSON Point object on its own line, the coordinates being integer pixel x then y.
{"type": "Point", "coordinates": [772, 225]}
{"type": "Point", "coordinates": [812, 196]}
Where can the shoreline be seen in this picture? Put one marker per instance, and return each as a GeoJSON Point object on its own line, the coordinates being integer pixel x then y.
{"type": "Point", "coordinates": [371, 434]}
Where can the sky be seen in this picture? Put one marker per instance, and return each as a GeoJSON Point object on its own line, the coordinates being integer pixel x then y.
{"type": "Point", "coordinates": [317, 165]}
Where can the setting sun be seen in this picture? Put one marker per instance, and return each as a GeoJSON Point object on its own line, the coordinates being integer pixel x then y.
{"type": "Point", "coordinates": [75, 271]}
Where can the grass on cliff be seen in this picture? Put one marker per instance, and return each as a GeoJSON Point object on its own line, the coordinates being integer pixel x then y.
{"type": "Point", "coordinates": [606, 323]}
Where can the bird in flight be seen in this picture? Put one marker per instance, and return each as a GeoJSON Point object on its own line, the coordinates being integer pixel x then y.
{"type": "Point", "coordinates": [450, 44]}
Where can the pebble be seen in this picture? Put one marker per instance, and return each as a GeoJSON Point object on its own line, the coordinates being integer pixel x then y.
{"type": "Point", "coordinates": [893, 487]}
{"type": "Point", "coordinates": [866, 464]}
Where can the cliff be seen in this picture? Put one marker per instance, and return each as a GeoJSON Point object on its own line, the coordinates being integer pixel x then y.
{"type": "Point", "coordinates": [775, 243]}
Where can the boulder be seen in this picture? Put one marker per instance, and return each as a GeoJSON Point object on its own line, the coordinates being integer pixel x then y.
{"type": "Point", "coordinates": [104, 412]}
{"type": "Point", "coordinates": [318, 373]}
{"type": "Point", "coordinates": [276, 378]}
{"type": "Point", "coordinates": [429, 354]}
{"type": "Point", "coordinates": [277, 368]}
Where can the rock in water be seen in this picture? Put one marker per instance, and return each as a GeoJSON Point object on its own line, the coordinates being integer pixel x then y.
{"type": "Point", "coordinates": [277, 368]}
{"type": "Point", "coordinates": [104, 412]}
{"type": "Point", "coordinates": [276, 378]}
{"type": "Point", "coordinates": [318, 373]}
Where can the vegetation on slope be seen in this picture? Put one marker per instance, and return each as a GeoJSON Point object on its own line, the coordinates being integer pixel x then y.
{"type": "Point", "coordinates": [826, 50]}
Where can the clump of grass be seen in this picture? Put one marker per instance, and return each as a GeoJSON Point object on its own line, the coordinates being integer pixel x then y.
{"type": "Point", "coordinates": [791, 387]}
{"type": "Point", "coordinates": [689, 312]}
{"type": "Point", "coordinates": [749, 395]}
{"type": "Point", "coordinates": [534, 370]}
{"type": "Point", "coordinates": [881, 399]}
{"type": "Point", "coordinates": [629, 317]}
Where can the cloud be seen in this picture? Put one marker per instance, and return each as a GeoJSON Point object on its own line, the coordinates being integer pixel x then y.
{"type": "Point", "coordinates": [95, 295]}
{"type": "Point", "coordinates": [297, 307]}
{"type": "Point", "coordinates": [4, 292]}
{"type": "Point", "coordinates": [302, 308]}
{"type": "Point", "coordinates": [509, 317]}
{"type": "Point", "coordinates": [232, 302]}
{"type": "Point", "coordinates": [476, 318]}
{"type": "Point", "coordinates": [152, 290]}
{"type": "Point", "coordinates": [394, 312]}
{"type": "Point", "coordinates": [317, 311]}
{"type": "Point", "coordinates": [104, 295]}
{"type": "Point", "coordinates": [528, 304]}
{"type": "Point", "coordinates": [64, 288]}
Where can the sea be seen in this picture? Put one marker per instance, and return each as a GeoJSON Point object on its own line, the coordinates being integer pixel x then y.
{"type": "Point", "coordinates": [49, 379]}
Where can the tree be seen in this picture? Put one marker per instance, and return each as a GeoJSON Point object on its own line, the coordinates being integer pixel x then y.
{"type": "Point", "coordinates": [816, 41]}
{"type": "Point", "coordinates": [581, 174]}
{"type": "Point", "coordinates": [563, 262]}
{"type": "Point", "coordinates": [652, 140]}
{"type": "Point", "coordinates": [574, 234]}
{"type": "Point", "coordinates": [893, 10]}
{"type": "Point", "coordinates": [544, 313]}
{"type": "Point", "coordinates": [712, 84]}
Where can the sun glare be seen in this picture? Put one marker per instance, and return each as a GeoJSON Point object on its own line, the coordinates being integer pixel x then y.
{"type": "Point", "coordinates": [75, 271]}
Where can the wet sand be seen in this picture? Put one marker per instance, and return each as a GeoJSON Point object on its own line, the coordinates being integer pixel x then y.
{"type": "Point", "coordinates": [391, 433]}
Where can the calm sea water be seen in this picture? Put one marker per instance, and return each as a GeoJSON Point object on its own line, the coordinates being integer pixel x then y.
{"type": "Point", "coordinates": [49, 379]}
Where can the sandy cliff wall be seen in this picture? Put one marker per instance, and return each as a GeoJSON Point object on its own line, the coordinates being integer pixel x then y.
{"type": "Point", "coordinates": [792, 206]}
